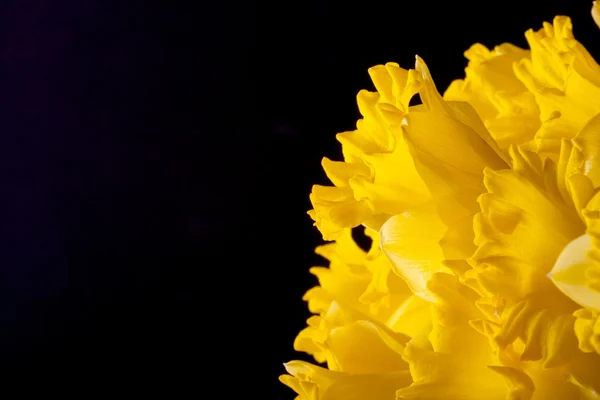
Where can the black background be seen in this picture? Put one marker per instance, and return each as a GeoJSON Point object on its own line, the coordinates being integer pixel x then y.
{"type": "Point", "coordinates": [156, 163]}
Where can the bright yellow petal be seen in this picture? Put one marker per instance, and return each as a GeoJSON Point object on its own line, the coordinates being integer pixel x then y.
{"type": "Point", "coordinates": [345, 280]}
{"type": "Point", "coordinates": [451, 147]}
{"type": "Point", "coordinates": [528, 216]}
{"type": "Point", "coordinates": [356, 298]}
{"type": "Point", "coordinates": [587, 329]}
{"type": "Point", "coordinates": [412, 318]}
{"type": "Point", "coordinates": [389, 191]}
{"type": "Point", "coordinates": [362, 347]}
{"type": "Point", "coordinates": [327, 338]}
{"type": "Point", "coordinates": [588, 142]}
{"type": "Point", "coordinates": [508, 110]}
{"type": "Point", "coordinates": [344, 250]}
{"type": "Point", "coordinates": [564, 78]}
{"type": "Point", "coordinates": [596, 13]}
{"type": "Point", "coordinates": [315, 383]}
{"type": "Point", "coordinates": [340, 172]}
{"type": "Point", "coordinates": [553, 384]}
{"type": "Point", "coordinates": [387, 291]}
{"type": "Point", "coordinates": [377, 178]}
{"type": "Point", "coordinates": [336, 209]}
{"type": "Point", "coordinates": [569, 273]}
{"type": "Point", "coordinates": [453, 363]}
{"type": "Point", "coordinates": [522, 228]}
{"type": "Point", "coordinates": [411, 241]}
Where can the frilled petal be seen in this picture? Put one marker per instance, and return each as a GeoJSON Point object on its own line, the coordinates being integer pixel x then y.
{"type": "Point", "coordinates": [454, 177]}
{"type": "Point", "coordinates": [368, 186]}
{"type": "Point", "coordinates": [588, 143]}
{"type": "Point", "coordinates": [564, 78]}
{"type": "Point", "coordinates": [454, 363]}
{"type": "Point", "coordinates": [357, 297]}
{"type": "Point", "coordinates": [551, 384]}
{"type": "Point", "coordinates": [410, 240]}
{"type": "Point", "coordinates": [345, 280]}
{"type": "Point", "coordinates": [327, 339]}
{"type": "Point", "coordinates": [311, 382]}
{"type": "Point", "coordinates": [412, 318]}
{"type": "Point", "coordinates": [363, 347]}
{"type": "Point", "coordinates": [386, 291]}
{"type": "Point", "coordinates": [336, 209]}
{"type": "Point", "coordinates": [359, 279]}
{"type": "Point", "coordinates": [524, 223]}
{"type": "Point", "coordinates": [587, 329]}
{"type": "Point", "coordinates": [507, 108]}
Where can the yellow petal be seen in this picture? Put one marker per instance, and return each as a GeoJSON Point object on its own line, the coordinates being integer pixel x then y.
{"type": "Point", "coordinates": [363, 347]}
{"type": "Point", "coordinates": [564, 78]}
{"type": "Point", "coordinates": [336, 209]}
{"type": "Point", "coordinates": [354, 288]}
{"type": "Point", "coordinates": [569, 273]}
{"type": "Point", "coordinates": [453, 363]}
{"type": "Point", "coordinates": [451, 147]}
{"type": "Point", "coordinates": [386, 291]}
{"type": "Point", "coordinates": [344, 250]}
{"type": "Point", "coordinates": [553, 384]}
{"type": "Point", "coordinates": [412, 318]}
{"type": "Point", "coordinates": [377, 177]}
{"type": "Point", "coordinates": [574, 182]}
{"type": "Point", "coordinates": [319, 338]}
{"type": "Point", "coordinates": [315, 383]}
{"type": "Point", "coordinates": [410, 240]}
{"type": "Point", "coordinates": [343, 286]}
{"type": "Point", "coordinates": [587, 329]}
{"type": "Point", "coordinates": [345, 280]}
{"type": "Point", "coordinates": [596, 13]}
{"type": "Point", "coordinates": [394, 184]}
{"type": "Point", "coordinates": [588, 142]}
{"type": "Point", "coordinates": [508, 110]}
{"type": "Point", "coordinates": [457, 243]}
{"type": "Point", "coordinates": [340, 172]}
{"type": "Point", "coordinates": [513, 256]}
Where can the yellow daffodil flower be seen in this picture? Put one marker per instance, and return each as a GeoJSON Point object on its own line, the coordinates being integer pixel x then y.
{"type": "Point", "coordinates": [483, 207]}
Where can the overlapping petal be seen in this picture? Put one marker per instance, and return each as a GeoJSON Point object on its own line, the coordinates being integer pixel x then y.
{"type": "Point", "coordinates": [357, 301]}
{"type": "Point", "coordinates": [377, 178]}
{"type": "Point", "coordinates": [507, 108]}
{"type": "Point", "coordinates": [565, 80]}
{"type": "Point", "coordinates": [311, 382]}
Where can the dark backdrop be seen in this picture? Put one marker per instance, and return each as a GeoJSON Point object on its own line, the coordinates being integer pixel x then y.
{"type": "Point", "coordinates": [156, 159]}
{"type": "Point", "coordinates": [127, 164]}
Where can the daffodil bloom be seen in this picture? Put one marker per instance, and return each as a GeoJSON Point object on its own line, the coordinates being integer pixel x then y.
{"type": "Point", "coordinates": [483, 207]}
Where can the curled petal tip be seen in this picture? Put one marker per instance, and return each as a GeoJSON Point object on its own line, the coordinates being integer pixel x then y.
{"type": "Point", "coordinates": [596, 12]}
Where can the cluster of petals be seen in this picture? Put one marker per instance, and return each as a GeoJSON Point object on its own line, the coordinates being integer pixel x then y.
{"type": "Point", "coordinates": [482, 204]}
